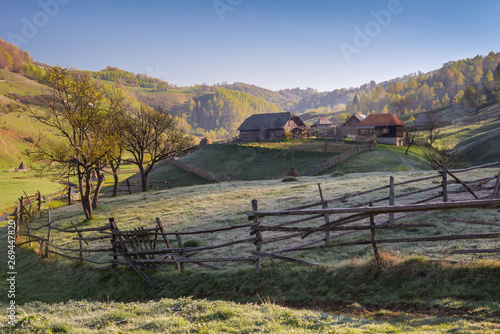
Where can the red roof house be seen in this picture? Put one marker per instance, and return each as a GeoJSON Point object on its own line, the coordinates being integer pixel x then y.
{"type": "Point", "coordinates": [387, 128]}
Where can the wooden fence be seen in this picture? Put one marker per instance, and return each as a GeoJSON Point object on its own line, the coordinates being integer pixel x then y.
{"type": "Point", "coordinates": [130, 187]}
{"type": "Point", "coordinates": [307, 220]}
{"type": "Point", "coordinates": [270, 234]}
{"type": "Point", "coordinates": [341, 158]}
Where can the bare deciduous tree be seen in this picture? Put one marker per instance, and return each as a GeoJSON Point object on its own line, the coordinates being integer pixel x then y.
{"type": "Point", "coordinates": [84, 119]}
{"type": "Point", "coordinates": [433, 126]}
{"type": "Point", "coordinates": [150, 136]}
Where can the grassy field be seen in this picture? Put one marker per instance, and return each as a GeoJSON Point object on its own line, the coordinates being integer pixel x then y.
{"type": "Point", "coordinates": [406, 294]}
{"type": "Point", "coordinates": [261, 161]}
{"type": "Point", "coordinates": [185, 315]}
{"type": "Point", "coordinates": [13, 185]}
{"type": "Point", "coordinates": [222, 204]}
{"type": "Point", "coordinates": [12, 82]}
{"type": "Point", "coordinates": [385, 158]}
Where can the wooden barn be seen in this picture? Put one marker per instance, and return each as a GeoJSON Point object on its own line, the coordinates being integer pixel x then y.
{"type": "Point", "coordinates": [272, 126]}
{"type": "Point", "coordinates": [348, 127]}
{"type": "Point", "coordinates": [322, 124]}
{"type": "Point", "coordinates": [387, 128]}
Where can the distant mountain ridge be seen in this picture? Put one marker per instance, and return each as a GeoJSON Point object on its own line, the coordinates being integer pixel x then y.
{"type": "Point", "coordinates": [213, 109]}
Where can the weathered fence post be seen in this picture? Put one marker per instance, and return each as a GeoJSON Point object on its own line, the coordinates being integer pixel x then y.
{"type": "Point", "coordinates": [162, 230]}
{"type": "Point", "coordinates": [179, 244]}
{"type": "Point", "coordinates": [128, 185]}
{"type": "Point", "coordinates": [16, 219]}
{"type": "Point", "coordinates": [69, 193]}
{"type": "Point", "coordinates": [80, 239]}
{"type": "Point", "coordinates": [324, 205]}
{"type": "Point", "coordinates": [391, 198]}
{"type": "Point", "coordinates": [28, 231]}
{"type": "Point", "coordinates": [47, 244]}
{"type": "Point", "coordinates": [445, 182]}
{"type": "Point", "coordinates": [21, 208]}
{"type": "Point", "coordinates": [374, 235]}
{"type": "Point", "coordinates": [114, 238]}
{"type": "Point", "coordinates": [258, 236]}
{"type": "Point", "coordinates": [39, 200]}
{"type": "Point", "coordinates": [168, 184]}
{"type": "Point", "coordinates": [496, 190]}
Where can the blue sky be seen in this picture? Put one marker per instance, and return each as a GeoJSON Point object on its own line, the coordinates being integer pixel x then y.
{"type": "Point", "coordinates": [274, 44]}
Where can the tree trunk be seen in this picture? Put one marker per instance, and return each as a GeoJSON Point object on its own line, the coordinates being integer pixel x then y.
{"type": "Point", "coordinates": [144, 180]}
{"type": "Point", "coordinates": [115, 185]}
{"type": "Point", "coordinates": [100, 181]}
{"type": "Point", "coordinates": [144, 177]}
{"type": "Point", "coordinates": [115, 165]}
{"type": "Point", "coordinates": [85, 194]}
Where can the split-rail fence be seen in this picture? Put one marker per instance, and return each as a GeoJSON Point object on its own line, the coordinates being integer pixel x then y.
{"type": "Point", "coordinates": [270, 234]}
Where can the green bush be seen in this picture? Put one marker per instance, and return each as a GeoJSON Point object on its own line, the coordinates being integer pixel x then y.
{"type": "Point", "coordinates": [289, 179]}
{"type": "Point", "coordinates": [193, 243]}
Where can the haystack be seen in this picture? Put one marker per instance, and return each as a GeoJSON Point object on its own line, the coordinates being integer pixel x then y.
{"type": "Point", "coordinates": [204, 142]}
{"type": "Point", "coordinates": [292, 172]}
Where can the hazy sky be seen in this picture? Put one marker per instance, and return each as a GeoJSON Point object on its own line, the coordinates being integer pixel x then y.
{"type": "Point", "coordinates": [323, 44]}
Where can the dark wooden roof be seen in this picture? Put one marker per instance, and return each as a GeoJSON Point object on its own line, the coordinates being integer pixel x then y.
{"type": "Point", "coordinates": [260, 122]}
{"type": "Point", "coordinates": [375, 120]}
{"type": "Point", "coordinates": [323, 121]}
{"type": "Point", "coordinates": [357, 117]}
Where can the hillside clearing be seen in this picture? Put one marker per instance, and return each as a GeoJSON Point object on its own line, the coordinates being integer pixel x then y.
{"type": "Point", "coordinates": [385, 158]}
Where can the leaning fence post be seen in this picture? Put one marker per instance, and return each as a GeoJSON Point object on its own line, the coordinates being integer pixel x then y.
{"type": "Point", "coordinates": [324, 205]}
{"type": "Point", "coordinates": [258, 236]}
{"type": "Point", "coordinates": [21, 208]}
{"type": "Point", "coordinates": [497, 187]}
{"type": "Point", "coordinates": [162, 230]}
{"type": "Point", "coordinates": [128, 185]}
{"type": "Point", "coordinates": [374, 235]}
{"type": "Point", "coordinates": [69, 193]}
{"type": "Point", "coordinates": [391, 198]}
{"type": "Point", "coordinates": [16, 219]}
{"type": "Point", "coordinates": [80, 239]}
{"type": "Point", "coordinates": [114, 238]}
{"type": "Point", "coordinates": [445, 182]}
{"type": "Point", "coordinates": [179, 243]}
{"type": "Point", "coordinates": [28, 231]}
{"type": "Point", "coordinates": [39, 199]}
{"type": "Point", "coordinates": [47, 244]}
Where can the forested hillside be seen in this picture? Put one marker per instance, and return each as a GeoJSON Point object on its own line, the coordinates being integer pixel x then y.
{"type": "Point", "coordinates": [122, 77]}
{"type": "Point", "coordinates": [470, 80]}
{"type": "Point", "coordinates": [225, 110]}
{"type": "Point", "coordinates": [12, 58]}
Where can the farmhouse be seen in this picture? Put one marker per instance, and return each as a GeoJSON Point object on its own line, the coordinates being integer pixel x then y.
{"type": "Point", "coordinates": [322, 124]}
{"type": "Point", "coordinates": [272, 126]}
{"type": "Point", "coordinates": [348, 128]}
{"type": "Point", "coordinates": [387, 128]}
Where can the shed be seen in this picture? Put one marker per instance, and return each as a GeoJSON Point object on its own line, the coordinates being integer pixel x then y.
{"type": "Point", "coordinates": [348, 127]}
{"type": "Point", "coordinates": [271, 126]}
{"type": "Point", "coordinates": [322, 123]}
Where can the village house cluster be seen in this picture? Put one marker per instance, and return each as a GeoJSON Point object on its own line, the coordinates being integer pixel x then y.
{"type": "Point", "coordinates": [384, 128]}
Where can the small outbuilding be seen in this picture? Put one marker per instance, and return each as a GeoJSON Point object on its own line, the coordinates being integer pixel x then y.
{"type": "Point", "coordinates": [273, 126]}
{"type": "Point", "coordinates": [322, 124]}
{"type": "Point", "coordinates": [348, 127]}
{"type": "Point", "coordinates": [386, 128]}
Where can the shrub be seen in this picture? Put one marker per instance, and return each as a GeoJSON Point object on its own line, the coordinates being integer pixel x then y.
{"type": "Point", "coordinates": [289, 179]}
{"type": "Point", "coordinates": [193, 243]}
